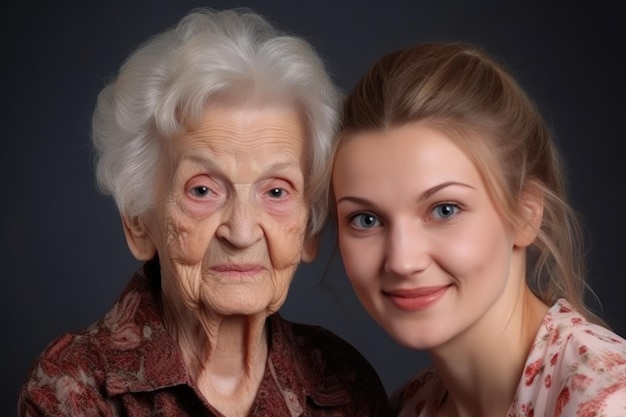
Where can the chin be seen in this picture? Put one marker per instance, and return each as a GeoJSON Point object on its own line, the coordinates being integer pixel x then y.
{"type": "Point", "coordinates": [415, 337]}
{"type": "Point", "coordinates": [243, 310]}
{"type": "Point", "coordinates": [419, 344]}
{"type": "Point", "coordinates": [230, 306]}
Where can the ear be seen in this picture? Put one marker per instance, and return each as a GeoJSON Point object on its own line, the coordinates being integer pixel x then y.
{"type": "Point", "coordinates": [139, 242]}
{"type": "Point", "coordinates": [532, 210]}
{"type": "Point", "coordinates": [310, 248]}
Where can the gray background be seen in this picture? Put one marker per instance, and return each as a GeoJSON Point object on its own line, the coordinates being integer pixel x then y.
{"type": "Point", "coordinates": [63, 255]}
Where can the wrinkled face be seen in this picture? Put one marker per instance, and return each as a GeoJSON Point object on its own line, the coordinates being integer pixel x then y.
{"type": "Point", "coordinates": [423, 245]}
{"type": "Point", "coordinates": [230, 217]}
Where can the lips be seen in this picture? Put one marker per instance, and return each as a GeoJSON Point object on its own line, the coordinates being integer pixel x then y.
{"type": "Point", "coordinates": [237, 270]}
{"type": "Point", "coordinates": [416, 292]}
{"type": "Point", "coordinates": [415, 299]}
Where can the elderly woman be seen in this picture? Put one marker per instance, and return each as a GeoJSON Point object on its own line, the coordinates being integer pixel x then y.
{"type": "Point", "coordinates": [214, 141]}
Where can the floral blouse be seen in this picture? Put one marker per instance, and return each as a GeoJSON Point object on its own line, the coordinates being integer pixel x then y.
{"type": "Point", "coordinates": [127, 364]}
{"type": "Point", "coordinates": [574, 369]}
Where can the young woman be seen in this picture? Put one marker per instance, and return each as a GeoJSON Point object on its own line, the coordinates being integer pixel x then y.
{"type": "Point", "coordinates": [457, 237]}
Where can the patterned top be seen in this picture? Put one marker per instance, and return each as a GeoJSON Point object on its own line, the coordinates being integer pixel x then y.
{"type": "Point", "coordinates": [575, 368]}
{"type": "Point", "coordinates": [127, 364]}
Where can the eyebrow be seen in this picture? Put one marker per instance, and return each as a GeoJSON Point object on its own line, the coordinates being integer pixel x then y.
{"type": "Point", "coordinates": [423, 196]}
{"type": "Point", "coordinates": [433, 190]}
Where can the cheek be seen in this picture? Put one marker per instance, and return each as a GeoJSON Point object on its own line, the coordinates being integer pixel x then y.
{"type": "Point", "coordinates": [188, 240]}
{"type": "Point", "coordinates": [285, 241]}
{"type": "Point", "coordinates": [361, 260]}
{"type": "Point", "coordinates": [285, 249]}
{"type": "Point", "coordinates": [476, 252]}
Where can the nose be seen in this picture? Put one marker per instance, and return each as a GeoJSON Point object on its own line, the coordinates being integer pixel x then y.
{"type": "Point", "coordinates": [407, 250]}
{"type": "Point", "coordinates": [240, 225]}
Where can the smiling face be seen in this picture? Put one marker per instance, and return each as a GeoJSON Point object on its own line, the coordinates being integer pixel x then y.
{"type": "Point", "coordinates": [422, 243]}
{"type": "Point", "coordinates": [230, 215]}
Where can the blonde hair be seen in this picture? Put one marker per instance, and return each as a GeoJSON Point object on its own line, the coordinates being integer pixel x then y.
{"type": "Point", "coordinates": [462, 91]}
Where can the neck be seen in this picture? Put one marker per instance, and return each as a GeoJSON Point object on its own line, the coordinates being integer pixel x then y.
{"type": "Point", "coordinates": [225, 355]}
{"type": "Point", "coordinates": [482, 367]}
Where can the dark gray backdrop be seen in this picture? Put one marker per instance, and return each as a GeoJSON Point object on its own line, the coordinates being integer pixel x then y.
{"type": "Point", "coordinates": [63, 254]}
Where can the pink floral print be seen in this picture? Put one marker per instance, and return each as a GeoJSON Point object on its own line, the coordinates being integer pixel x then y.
{"type": "Point", "coordinates": [575, 369]}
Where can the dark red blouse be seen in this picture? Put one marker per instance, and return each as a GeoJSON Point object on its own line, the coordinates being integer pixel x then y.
{"type": "Point", "coordinates": [127, 364]}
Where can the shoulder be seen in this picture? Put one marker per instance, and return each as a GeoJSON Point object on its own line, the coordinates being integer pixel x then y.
{"type": "Point", "coordinates": [72, 354]}
{"type": "Point", "coordinates": [591, 369]}
{"type": "Point", "coordinates": [581, 365]}
{"type": "Point", "coordinates": [84, 355]}
{"type": "Point", "coordinates": [570, 338]}
{"type": "Point", "coordinates": [70, 377]}
{"type": "Point", "coordinates": [65, 379]}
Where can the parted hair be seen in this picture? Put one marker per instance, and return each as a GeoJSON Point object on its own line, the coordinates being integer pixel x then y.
{"type": "Point", "coordinates": [461, 90]}
{"type": "Point", "coordinates": [167, 83]}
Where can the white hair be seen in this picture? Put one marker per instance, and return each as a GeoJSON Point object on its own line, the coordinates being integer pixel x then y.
{"type": "Point", "coordinates": [168, 82]}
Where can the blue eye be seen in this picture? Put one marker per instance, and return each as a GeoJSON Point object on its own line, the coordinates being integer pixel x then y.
{"type": "Point", "coordinates": [364, 221]}
{"type": "Point", "coordinates": [445, 211]}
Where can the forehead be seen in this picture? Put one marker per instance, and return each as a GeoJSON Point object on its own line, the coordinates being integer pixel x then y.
{"type": "Point", "coordinates": [231, 128]}
{"type": "Point", "coordinates": [416, 150]}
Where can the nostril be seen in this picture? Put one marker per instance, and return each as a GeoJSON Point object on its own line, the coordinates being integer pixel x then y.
{"type": "Point", "coordinates": [240, 232]}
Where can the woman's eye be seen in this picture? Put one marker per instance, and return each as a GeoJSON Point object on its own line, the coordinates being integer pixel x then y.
{"type": "Point", "coordinates": [277, 192]}
{"type": "Point", "coordinates": [364, 221]}
{"type": "Point", "coordinates": [445, 211]}
{"type": "Point", "coordinates": [200, 191]}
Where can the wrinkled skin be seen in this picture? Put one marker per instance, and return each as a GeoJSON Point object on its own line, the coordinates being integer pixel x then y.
{"type": "Point", "coordinates": [229, 229]}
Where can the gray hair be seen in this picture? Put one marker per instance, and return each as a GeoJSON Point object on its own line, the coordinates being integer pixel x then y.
{"type": "Point", "coordinates": [168, 82]}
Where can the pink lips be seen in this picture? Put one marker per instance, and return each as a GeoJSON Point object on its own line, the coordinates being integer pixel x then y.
{"type": "Point", "coordinates": [416, 299]}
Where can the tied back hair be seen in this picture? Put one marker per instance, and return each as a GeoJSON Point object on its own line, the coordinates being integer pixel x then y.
{"type": "Point", "coordinates": [460, 90]}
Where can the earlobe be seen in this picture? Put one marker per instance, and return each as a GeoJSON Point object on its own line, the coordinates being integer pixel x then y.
{"type": "Point", "coordinates": [310, 248]}
{"type": "Point", "coordinates": [532, 209]}
{"type": "Point", "coordinates": [138, 240]}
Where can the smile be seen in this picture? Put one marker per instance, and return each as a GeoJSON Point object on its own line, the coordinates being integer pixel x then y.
{"type": "Point", "coordinates": [415, 299]}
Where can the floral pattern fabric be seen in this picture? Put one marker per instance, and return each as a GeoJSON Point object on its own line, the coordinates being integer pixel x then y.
{"type": "Point", "coordinates": [128, 365]}
{"type": "Point", "coordinates": [574, 369]}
